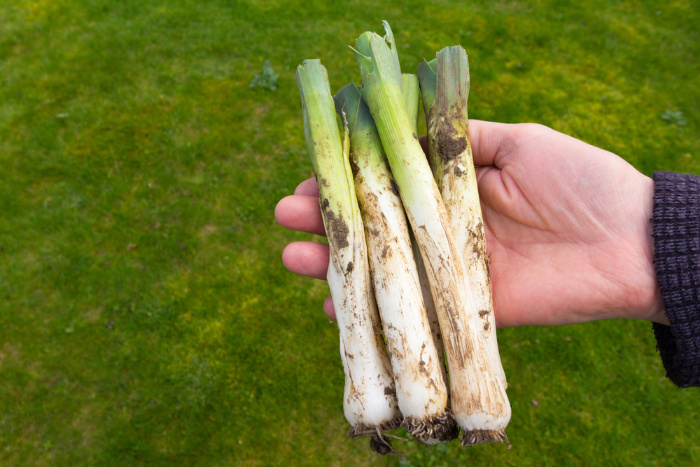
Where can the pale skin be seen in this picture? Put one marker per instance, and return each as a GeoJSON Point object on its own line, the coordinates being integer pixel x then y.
{"type": "Point", "coordinates": [567, 229]}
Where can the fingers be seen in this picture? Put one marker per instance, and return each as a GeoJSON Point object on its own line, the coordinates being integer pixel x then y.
{"type": "Point", "coordinates": [328, 308]}
{"type": "Point", "coordinates": [500, 192]}
{"type": "Point", "coordinates": [307, 258]}
{"type": "Point", "coordinates": [490, 184]}
{"type": "Point", "coordinates": [489, 140]}
{"type": "Point", "coordinates": [300, 213]}
{"type": "Point", "coordinates": [308, 187]}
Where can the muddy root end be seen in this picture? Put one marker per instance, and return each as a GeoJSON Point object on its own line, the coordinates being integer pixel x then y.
{"type": "Point", "coordinates": [432, 430]}
{"type": "Point", "coordinates": [472, 438]}
{"type": "Point", "coordinates": [360, 430]}
{"type": "Point", "coordinates": [381, 446]}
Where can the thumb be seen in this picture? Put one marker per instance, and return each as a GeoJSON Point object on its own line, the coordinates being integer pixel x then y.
{"type": "Point", "coordinates": [488, 140]}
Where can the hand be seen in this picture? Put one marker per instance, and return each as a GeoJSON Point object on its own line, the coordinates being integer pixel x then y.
{"type": "Point", "coordinates": [567, 228]}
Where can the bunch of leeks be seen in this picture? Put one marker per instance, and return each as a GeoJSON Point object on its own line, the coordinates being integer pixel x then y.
{"type": "Point", "coordinates": [408, 268]}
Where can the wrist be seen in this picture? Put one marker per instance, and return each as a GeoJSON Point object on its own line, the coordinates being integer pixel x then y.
{"type": "Point", "coordinates": [645, 297]}
{"type": "Point", "coordinates": [629, 260]}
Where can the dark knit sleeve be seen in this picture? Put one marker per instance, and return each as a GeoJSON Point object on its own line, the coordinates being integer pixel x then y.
{"type": "Point", "coordinates": [676, 231]}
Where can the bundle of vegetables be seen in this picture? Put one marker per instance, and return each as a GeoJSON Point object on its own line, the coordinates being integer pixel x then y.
{"type": "Point", "coordinates": [405, 291]}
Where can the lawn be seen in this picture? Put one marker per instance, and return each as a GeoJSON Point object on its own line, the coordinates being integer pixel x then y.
{"type": "Point", "coordinates": [145, 315]}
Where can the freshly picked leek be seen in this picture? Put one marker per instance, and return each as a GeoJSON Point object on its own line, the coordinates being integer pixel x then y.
{"type": "Point", "coordinates": [445, 85]}
{"type": "Point", "coordinates": [478, 399]}
{"type": "Point", "coordinates": [421, 387]}
{"type": "Point", "coordinates": [369, 400]}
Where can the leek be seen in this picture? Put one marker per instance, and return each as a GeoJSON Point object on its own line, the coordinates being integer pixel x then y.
{"type": "Point", "coordinates": [369, 400]}
{"type": "Point", "coordinates": [445, 84]}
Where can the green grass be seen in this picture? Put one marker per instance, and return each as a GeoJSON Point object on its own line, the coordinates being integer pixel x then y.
{"type": "Point", "coordinates": [145, 315]}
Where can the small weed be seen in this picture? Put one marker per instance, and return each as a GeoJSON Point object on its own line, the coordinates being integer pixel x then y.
{"type": "Point", "coordinates": [673, 117]}
{"type": "Point", "coordinates": [267, 79]}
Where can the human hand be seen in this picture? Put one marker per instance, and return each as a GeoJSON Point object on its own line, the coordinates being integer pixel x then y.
{"type": "Point", "coordinates": [567, 227]}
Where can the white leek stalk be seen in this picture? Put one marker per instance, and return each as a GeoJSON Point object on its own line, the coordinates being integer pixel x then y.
{"type": "Point", "coordinates": [421, 388]}
{"type": "Point", "coordinates": [478, 399]}
{"type": "Point", "coordinates": [369, 400]}
{"type": "Point", "coordinates": [445, 84]}
{"type": "Point", "coordinates": [410, 89]}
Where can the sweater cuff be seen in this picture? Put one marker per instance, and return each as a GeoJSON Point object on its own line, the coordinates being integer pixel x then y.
{"type": "Point", "coordinates": [676, 232]}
